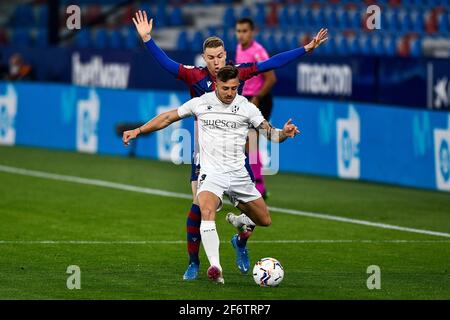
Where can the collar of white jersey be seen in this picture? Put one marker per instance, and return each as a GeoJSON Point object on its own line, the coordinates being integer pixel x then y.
{"type": "Point", "coordinates": [237, 99]}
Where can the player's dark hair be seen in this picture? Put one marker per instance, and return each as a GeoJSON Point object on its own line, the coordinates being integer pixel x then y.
{"type": "Point", "coordinates": [213, 42]}
{"type": "Point", "coordinates": [227, 73]}
{"type": "Point", "coordinates": [247, 20]}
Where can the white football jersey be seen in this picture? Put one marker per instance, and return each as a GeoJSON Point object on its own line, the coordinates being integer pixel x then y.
{"type": "Point", "coordinates": [222, 130]}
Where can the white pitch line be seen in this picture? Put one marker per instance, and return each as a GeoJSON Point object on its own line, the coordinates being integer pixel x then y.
{"type": "Point", "coordinates": [149, 242]}
{"type": "Point", "coordinates": [126, 187]}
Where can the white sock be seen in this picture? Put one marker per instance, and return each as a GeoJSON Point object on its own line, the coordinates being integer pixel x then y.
{"type": "Point", "coordinates": [211, 242]}
{"type": "Point", "coordinates": [243, 219]}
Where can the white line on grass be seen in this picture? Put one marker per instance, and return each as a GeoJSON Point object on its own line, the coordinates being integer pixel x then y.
{"type": "Point", "coordinates": [150, 242]}
{"type": "Point", "coordinates": [126, 187]}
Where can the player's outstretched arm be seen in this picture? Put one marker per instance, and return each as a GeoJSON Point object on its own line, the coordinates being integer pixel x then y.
{"type": "Point", "coordinates": [289, 130]}
{"type": "Point", "coordinates": [144, 27]}
{"type": "Point", "coordinates": [281, 59]}
{"type": "Point", "coordinates": [157, 123]}
{"type": "Point", "coordinates": [320, 38]}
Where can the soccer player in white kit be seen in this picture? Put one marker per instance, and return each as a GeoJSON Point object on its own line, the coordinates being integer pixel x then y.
{"type": "Point", "coordinates": [224, 119]}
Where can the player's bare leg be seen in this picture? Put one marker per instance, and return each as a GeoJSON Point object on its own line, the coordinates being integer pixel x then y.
{"type": "Point", "coordinates": [193, 236]}
{"type": "Point", "coordinates": [209, 202]}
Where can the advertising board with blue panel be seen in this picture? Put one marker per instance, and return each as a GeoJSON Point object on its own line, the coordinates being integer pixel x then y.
{"type": "Point", "coordinates": [348, 140]}
{"type": "Point", "coordinates": [415, 82]}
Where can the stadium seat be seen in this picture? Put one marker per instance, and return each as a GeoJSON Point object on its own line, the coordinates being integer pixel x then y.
{"type": "Point", "coordinates": [100, 38]}
{"type": "Point", "coordinates": [295, 17]}
{"type": "Point", "coordinates": [115, 39]}
{"type": "Point", "coordinates": [329, 48]}
{"type": "Point", "coordinates": [270, 43]}
{"type": "Point", "coordinates": [260, 39]}
{"type": "Point", "coordinates": [416, 47]}
{"type": "Point", "coordinates": [329, 18]}
{"type": "Point", "coordinates": [355, 19]}
{"type": "Point", "coordinates": [182, 41]}
{"type": "Point", "coordinates": [293, 42]}
{"type": "Point", "coordinates": [377, 45]}
{"type": "Point", "coordinates": [229, 19]}
{"type": "Point", "coordinates": [196, 42]}
{"type": "Point", "coordinates": [42, 15]}
{"type": "Point", "coordinates": [148, 10]}
{"type": "Point", "coordinates": [176, 17]}
{"type": "Point", "coordinates": [404, 21]}
{"type": "Point", "coordinates": [246, 13]}
{"type": "Point", "coordinates": [282, 43]}
{"type": "Point", "coordinates": [443, 22]}
{"type": "Point", "coordinates": [21, 37]}
{"type": "Point", "coordinates": [365, 45]}
{"type": "Point", "coordinates": [416, 21]}
{"type": "Point", "coordinates": [82, 39]}
{"type": "Point", "coordinates": [342, 46]}
{"type": "Point", "coordinates": [353, 45]}
{"type": "Point", "coordinates": [41, 38]}
{"type": "Point", "coordinates": [131, 39]}
{"type": "Point", "coordinates": [23, 16]}
{"type": "Point", "coordinates": [283, 17]}
{"type": "Point", "coordinates": [161, 19]}
{"type": "Point", "coordinates": [260, 16]}
{"type": "Point", "coordinates": [390, 46]}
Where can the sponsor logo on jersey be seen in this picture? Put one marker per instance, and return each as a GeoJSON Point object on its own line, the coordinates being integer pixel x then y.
{"type": "Point", "coordinates": [219, 123]}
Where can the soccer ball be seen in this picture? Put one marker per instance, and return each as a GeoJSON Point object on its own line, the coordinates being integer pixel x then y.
{"type": "Point", "coordinates": [268, 272]}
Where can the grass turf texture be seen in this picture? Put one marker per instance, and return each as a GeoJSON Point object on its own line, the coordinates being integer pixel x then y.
{"type": "Point", "coordinates": [34, 209]}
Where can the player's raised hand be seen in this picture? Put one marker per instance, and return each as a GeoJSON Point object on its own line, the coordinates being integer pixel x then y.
{"type": "Point", "coordinates": [143, 26]}
{"type": "Point", "coordinates": [290, 129]}
{"type": "Point", "coordinates": [129, 135]}
{"type": "Point", "coordinates": [320, 38]}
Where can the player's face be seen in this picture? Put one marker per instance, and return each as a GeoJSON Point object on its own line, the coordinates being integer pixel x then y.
{"type": "Point", "coordinates": [244, 34]}
{"type": "Point", "coordinates": [215, 59]}
{"type": "Point", "coordinates": [226, 91]}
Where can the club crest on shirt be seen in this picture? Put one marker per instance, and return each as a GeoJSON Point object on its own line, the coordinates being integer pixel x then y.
{"type": "Point", "coordinates": [235, 109]}
{"type": "Point", "coordinates": [209, 107]}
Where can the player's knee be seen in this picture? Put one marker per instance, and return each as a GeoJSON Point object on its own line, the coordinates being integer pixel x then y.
{"type": "Point", "coordinates": [207, 213]}
{"type": "Point", "coordinates": [266, 221]}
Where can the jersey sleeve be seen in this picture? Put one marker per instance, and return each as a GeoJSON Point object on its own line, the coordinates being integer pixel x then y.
{"type": "Point", "coordinates": [261, 55]}
{"type": "Point", "coordinates": [188, 74]}
{"type": "Point", "coordinates": [255, 116]}
{"type": "Point", "coordinates": [247, 70]}
{"type": "Point", "coordinates": [188, 108]}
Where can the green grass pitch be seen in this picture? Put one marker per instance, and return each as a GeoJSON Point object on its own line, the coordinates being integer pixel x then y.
{"type": "Point", "coordinates": [34, 209]}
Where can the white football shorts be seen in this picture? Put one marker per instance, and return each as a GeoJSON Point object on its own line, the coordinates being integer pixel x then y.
{"type": "Point", "coordinates": [237, 185]}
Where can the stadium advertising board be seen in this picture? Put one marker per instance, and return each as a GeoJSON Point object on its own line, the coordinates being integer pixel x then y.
{"type": "Point", "coordinates": [348, 140]}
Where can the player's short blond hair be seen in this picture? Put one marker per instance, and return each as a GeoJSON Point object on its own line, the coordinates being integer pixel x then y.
{"type": "Point", "coordinates": [212, 42]}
